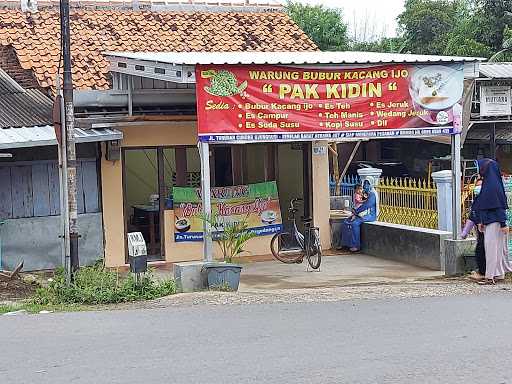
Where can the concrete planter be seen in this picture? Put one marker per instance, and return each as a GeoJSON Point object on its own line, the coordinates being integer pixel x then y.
{"type": "Point", "coordinates": [470, 263]}
{"type": "Point", "coordinates": [223, 275]}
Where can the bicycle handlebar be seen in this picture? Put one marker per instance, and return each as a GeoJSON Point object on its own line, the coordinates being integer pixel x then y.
{"type": "Point", "coordinates": [293, 202]}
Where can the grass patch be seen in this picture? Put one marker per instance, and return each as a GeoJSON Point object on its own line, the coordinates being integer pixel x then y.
{"type": "Point", "coordinates": [4, 308]}
{"type": "Point", "coordinates": [97, 285]}
{"type": "Point", "coordinates": [224, 287]}
{"type": "Point", "coordinates": [36, 308]}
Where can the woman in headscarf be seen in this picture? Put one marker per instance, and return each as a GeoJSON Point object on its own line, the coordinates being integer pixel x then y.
{"type": "Point", "coordinates": [490, 208]}
{"type": "Point", "coordinates": [480, 247]}
{"type": "Point", "coordinates": [367, 211]}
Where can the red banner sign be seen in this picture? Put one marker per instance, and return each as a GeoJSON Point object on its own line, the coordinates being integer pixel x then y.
{"type": "Point", "coordinates": [272, 103]}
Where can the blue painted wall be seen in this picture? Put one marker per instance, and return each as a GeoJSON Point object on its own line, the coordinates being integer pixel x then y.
{"type": "Point", "coordinates": [31, 188]}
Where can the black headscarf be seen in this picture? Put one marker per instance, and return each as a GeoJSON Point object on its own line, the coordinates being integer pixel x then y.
{"type": "Point", "coordinates": [492, 195]}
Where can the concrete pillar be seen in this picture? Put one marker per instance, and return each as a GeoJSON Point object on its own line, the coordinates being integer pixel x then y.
{"type": "Point", "coordinates": [113, 211]}
{"type": "Point", "coordinates": [365, 173]}
{"type": "Point", "coordinates": [456, 187]}
{"type": "Point", "coordinates": [321, 196]}
{"type": "Point", "coordinates": [444, 181]}
{"type": "Point", "coordinates": [204, 154]}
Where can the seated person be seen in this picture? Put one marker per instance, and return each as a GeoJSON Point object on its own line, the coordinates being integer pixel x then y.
{"type": "Point", "coordinates": [359, 196]}
{"type": "Point", "coordinates": [367, 211]}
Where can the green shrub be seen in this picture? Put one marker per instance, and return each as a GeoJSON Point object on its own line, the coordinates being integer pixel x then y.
{"type": "Point", "coordinates": [97, 285]}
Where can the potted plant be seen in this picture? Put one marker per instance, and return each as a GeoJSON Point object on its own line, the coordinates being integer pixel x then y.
{"type": "Point", "coordinates": [231, 238]}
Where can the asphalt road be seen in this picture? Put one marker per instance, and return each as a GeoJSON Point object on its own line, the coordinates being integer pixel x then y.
{"type": "Point", "coordinates": [428, 340]}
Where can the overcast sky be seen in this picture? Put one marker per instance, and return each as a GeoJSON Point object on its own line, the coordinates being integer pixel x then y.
{"type": "Point", "coordinates": [380, 14]}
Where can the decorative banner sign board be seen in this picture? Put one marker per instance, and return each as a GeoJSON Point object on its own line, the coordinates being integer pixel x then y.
{"type": "Point", "coordinates": [495, 101]}
{"type": "Point", "coordinates": [257, 204]}
{"type": "Point", "coordinates": [238, 103]}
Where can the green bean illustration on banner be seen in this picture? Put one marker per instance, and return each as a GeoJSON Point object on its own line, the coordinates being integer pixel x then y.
{"type": "Point", "coordinates": [223, 83]}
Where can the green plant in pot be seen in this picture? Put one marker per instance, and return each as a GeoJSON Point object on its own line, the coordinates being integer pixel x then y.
{"type": "Point", "coordinates": [231, 238]}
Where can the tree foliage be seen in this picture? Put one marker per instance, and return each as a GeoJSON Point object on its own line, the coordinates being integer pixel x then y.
{"type": "Point", "coordinates": [460, 27]}
{"type": "Point", "coordinates": [479, 28]}
{"type": "Point", "coordinates": [323, 25]}
{"type": "Point", "coordinates": [385, 44]}
{"type": "Point", "coordinates": [426, 25]}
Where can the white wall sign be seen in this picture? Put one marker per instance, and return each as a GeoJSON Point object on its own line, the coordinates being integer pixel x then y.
{"type": "Point", "coordinates": [495, 101]}
{"type": "Point", "coordinates": [136, 244]}
{"type": "Point", "coordinates": [319, 150]}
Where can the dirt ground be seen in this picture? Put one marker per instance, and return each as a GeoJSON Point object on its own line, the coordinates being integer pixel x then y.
{"type": "Point", "coordinates": [16, 290]}
{"type": "Point", "coordinates": [401, 290]}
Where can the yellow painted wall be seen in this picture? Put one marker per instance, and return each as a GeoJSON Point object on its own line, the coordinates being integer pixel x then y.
{"type": "Point", "coordinates": [185, 133]}
{"type": "Point", "coordinates": [113, 217]}
{"type": "Point", "coordinates": [170, 133]}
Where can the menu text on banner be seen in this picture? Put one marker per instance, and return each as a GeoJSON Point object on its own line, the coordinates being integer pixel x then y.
{"type": "Point", "coordinates": [281, 103]}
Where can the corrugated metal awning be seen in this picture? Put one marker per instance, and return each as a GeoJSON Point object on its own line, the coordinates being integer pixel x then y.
{"type": "Point", "coordinates": [496, 70]}
{"type": "Point", "coordinates": [503, 135]}
{"type": "Point", "coordinates": [299, 58]}
{"type": "Point", "coordinates": [45, 135]}
{"type": "Point", "coordinates": [22, 107]}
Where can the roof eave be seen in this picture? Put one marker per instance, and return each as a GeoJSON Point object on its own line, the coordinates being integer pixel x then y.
{"type": "Point", "coordinates": [287, 58]}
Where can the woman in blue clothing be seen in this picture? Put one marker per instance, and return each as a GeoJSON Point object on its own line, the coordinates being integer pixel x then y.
{"type": "Point", "coordinates": [490, 210]}
{"type": "Point", "coordinates": [368, 211]}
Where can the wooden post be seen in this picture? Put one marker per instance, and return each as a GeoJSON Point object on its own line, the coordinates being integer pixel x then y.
{"type": "Point", "coordinates": [345, 169]}
{"type": "Point", "coordinates": [181, 166]}
{"type": "Point", "coordinates": [335, 165]}
{"type": "Point", "coordinates": [70, 136]}
{"type": "Point", "coordinates": [270, 161]}
{"type": "Point", "coordinates": [493, 141]}
{"type": "Point", "coordinates": [237, 164]}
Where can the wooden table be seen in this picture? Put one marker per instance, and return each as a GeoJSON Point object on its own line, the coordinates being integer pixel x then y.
{"type": "Point", "coordinates": [340, 214]}
{"type": "Point", "coordinates": [151, 211]}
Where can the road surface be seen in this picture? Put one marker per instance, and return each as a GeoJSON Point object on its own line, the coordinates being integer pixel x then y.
{"type": "Point", "coordinates": [426, 340]}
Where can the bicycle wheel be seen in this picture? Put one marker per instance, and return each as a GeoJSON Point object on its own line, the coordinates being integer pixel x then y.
{"type": "Point", "coordinates": [285, 249]}
{"type": "Point", "coordinates": [314, 253]}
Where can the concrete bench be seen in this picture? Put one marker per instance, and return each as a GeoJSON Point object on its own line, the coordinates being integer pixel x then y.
{"type": "Point", "coordinates": [190, 277]}
{"type": "Point", "coordinates": [412, 245]}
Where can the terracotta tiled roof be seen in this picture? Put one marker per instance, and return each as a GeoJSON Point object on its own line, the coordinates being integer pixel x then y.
{"type": "Point", "coordinates": [35, 37]}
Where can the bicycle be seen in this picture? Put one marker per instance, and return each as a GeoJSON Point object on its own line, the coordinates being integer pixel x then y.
{"type": "Point", "coordinates": [284, 244]}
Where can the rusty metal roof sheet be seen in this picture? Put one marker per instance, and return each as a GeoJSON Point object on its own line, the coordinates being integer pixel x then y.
{"type": "Point", "coordinates": [24, 137]}
{"type": "Point", "coordinates": [26, 118]}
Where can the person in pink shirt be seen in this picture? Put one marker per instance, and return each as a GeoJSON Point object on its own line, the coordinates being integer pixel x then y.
{"type": "Point", "coordinates": [359, 196]}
